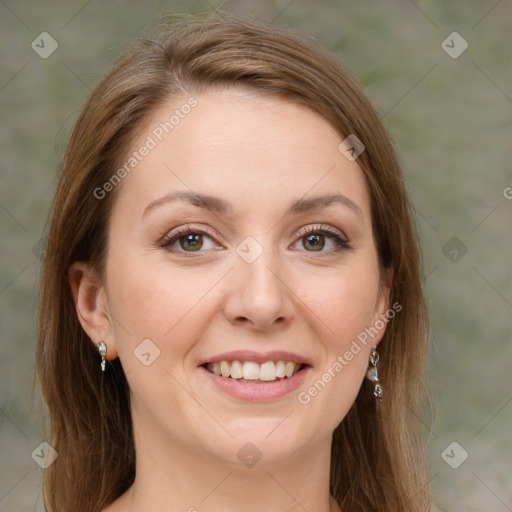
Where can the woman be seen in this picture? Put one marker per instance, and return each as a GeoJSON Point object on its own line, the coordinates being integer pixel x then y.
{"type": "Point", "coordinates": [231, 314]}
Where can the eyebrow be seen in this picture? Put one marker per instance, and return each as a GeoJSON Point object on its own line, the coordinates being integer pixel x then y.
{"type": "Point", "coordinates": [217, 205]}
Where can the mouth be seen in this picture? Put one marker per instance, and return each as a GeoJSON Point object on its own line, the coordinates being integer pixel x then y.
{"type": "Point", "coordinates": [253, 376]}
{"type": "Point", "coordinates": [253, 372]}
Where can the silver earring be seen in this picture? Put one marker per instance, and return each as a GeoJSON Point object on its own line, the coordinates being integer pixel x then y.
{"type": "Point", "coordinates": [102, 349]}
{"type": "Point", "coordinates": [372, 374]}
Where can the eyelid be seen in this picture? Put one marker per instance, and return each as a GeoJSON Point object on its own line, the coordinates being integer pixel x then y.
{"type": "Point", "coordinates": [184, 230]}
{"type": "Point", "coordinates": [337, 236]}
{"type": "Point", "coordinates": [312, 228]}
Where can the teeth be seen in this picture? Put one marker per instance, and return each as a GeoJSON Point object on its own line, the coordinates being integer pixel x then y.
{"type": "Point", "coordinates": [280, 369]}
{"type": "Point", "coordinates": [215, 367]}
{"type": "Point", "coordinates": [236, 370]}
{"type": "Point", "coordinates": [268, 371]}
{"type": "Point", "coordinates": [250, 370]}
{"type": "Point", "coordinates": [289, 368]}
{"type": "Point", "coordinates": [225, 369]}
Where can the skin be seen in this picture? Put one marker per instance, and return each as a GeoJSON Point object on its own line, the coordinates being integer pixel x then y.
{"type": "Point", "coordinates": [259, 154]}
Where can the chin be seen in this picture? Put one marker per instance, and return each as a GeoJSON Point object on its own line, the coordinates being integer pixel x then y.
{"type": "Point", "coordinates": [260, 443]}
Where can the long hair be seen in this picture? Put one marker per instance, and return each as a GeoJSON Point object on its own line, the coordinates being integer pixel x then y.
{"type": "Point", "coordinates": [377, 459]}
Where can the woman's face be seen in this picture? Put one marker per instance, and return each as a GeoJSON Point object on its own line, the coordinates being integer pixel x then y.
{"type": "Point", "coordinates": [267, 272]}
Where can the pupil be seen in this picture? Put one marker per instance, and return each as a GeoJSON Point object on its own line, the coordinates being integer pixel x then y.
{"type": "Point", "coordinates": [315, 239]}
{"type": "Point", "coordinates": [194, 241]}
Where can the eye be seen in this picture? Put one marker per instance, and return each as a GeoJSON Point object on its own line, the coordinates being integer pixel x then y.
{"type": "Point", "coordinates": [189, 239]}
{"type": "Point", "coordinates": [316, 238]}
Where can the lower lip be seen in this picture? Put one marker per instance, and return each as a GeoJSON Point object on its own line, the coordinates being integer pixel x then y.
{"type": "Point", "coordinates": [257, 392]}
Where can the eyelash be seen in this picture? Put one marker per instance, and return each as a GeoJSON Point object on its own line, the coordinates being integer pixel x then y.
{"type": "Point", "coordinates": [342, 243]}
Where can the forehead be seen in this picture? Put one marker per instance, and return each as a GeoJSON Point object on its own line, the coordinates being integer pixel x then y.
{"type": "Point", "coordinates": [253, 151]}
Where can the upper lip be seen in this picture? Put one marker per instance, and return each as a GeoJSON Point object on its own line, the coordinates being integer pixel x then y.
{"type": "Point", "coordinates": [258, 357]}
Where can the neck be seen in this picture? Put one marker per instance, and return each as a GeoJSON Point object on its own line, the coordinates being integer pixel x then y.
{"type": "Point", "coordinates": [183, 478]}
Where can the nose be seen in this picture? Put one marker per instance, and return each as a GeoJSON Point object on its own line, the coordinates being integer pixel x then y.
{"type": "Point", "coordinates": [260, 295]}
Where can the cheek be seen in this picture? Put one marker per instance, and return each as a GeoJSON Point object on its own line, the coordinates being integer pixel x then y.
{"type": "Point", "coordinates": [344, 303]}
{"type": "Point", "coordinates": [164, 305]}
{"type": "Point", "coordinates": [344, 308]}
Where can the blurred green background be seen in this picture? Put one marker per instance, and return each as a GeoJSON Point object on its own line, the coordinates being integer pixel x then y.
{"type": "Point", "coordinates": [450, 119]}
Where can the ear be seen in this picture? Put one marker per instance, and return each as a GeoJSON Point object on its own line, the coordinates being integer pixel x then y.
{"type": "Point", "coordinates": [91, 305]}
{"type": "Point", "coordinates": [380, 316]}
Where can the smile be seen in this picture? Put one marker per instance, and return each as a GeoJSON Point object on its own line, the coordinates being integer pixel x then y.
{"type": "Point", "coordinates": [251, 386]}
{"type": "Point", "coordinates": [251, 371]}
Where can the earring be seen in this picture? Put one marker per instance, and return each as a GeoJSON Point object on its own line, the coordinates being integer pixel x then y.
{"type": "Point", "coordinates": [373, 375]}
{"type": "Point", "coordinates": [102, 349]}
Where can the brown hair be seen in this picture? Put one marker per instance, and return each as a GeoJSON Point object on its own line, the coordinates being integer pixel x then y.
{"type": "Point", "coordinates": [377, 456]}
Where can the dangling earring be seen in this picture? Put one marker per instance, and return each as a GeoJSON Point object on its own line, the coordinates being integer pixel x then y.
{"type": "Point", "coordinates": [372, 374]}
{"type": "Point", "coordinates": [102, 349]}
